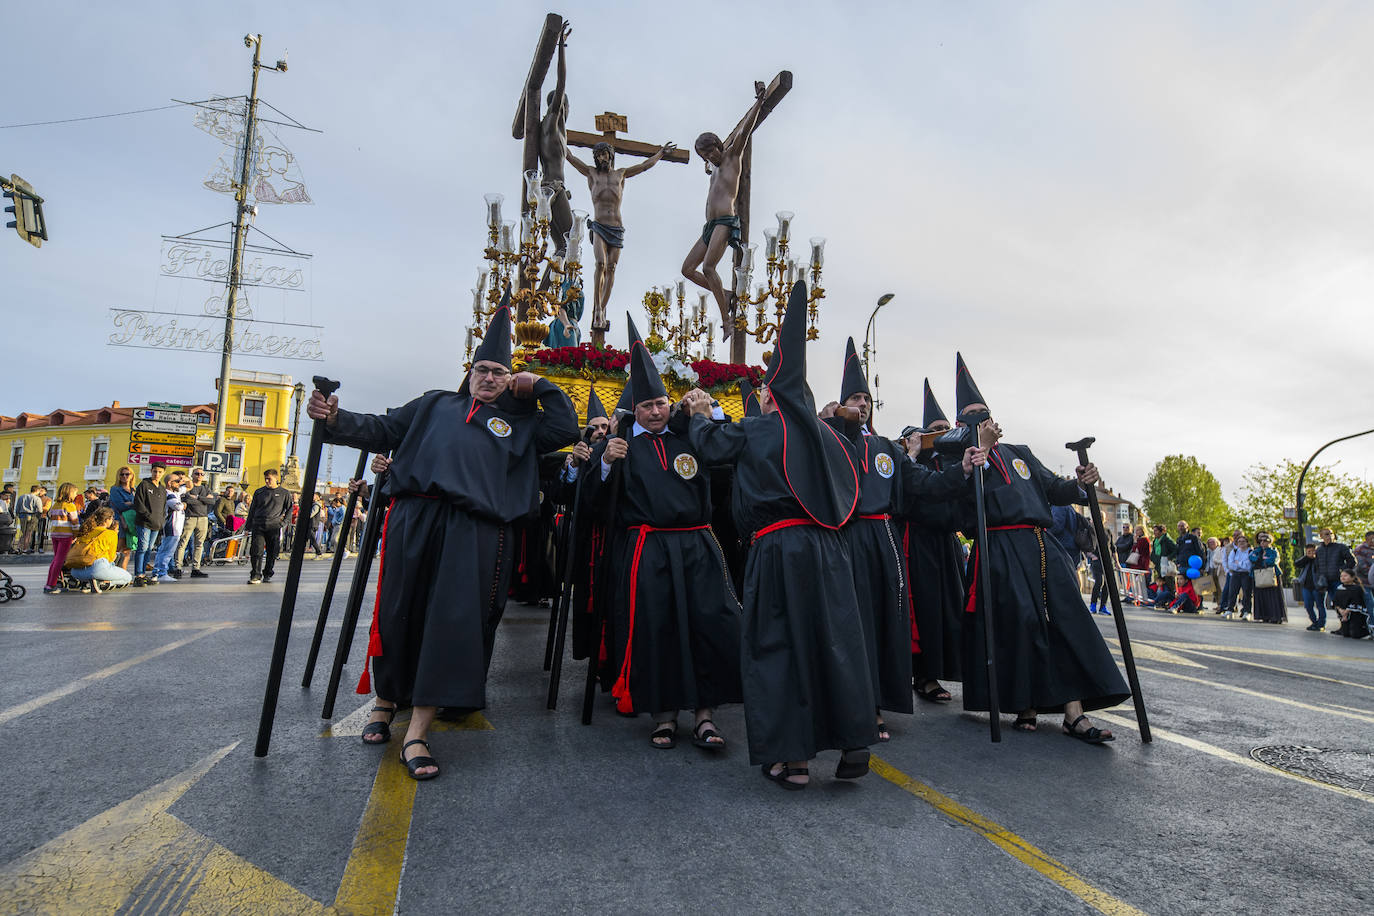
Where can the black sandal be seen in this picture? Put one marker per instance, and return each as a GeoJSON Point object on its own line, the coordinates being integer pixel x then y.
{"type": "Point", "coordinates": [379, 728]}
{"type": "Point", "coordinates": [667, 730]}
{"type": "Point", "coordinates": [702, 737]}
{"type": "Point", "coordinates": [1093, 735]}
{"type": "Point", "coordinates": [934, 693]}
{"type": "Point", "coordinates": [780, 777]}
{"type": "Point", "coordinates": [415, 763]}
{"type": "Point", "coordinates": [1024, 724]}
{"type": "Point", "coordinates": [853, 764]}
{"type": "Point", "coordinates": [884, 735]}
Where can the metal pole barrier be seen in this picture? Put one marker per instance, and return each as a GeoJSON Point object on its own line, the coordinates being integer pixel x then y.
{"type": "Point", "coordinates": [565, 593]}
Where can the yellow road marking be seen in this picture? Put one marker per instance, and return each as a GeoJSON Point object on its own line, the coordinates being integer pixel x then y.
{"type": "Point", "coordinates": [1255, 693]}
{"type": "Point", "coordinates": [1315, 677]}
{"type": "Point", "coordinates": [136, 857]}
{"type": "Point", "coordinates": [14, 712]}
{"type": "Point", "coordinates": [1231, 756]}
{"type": "Point", "coordinates": [1005, 840]}
{"type": "Point", "coordinates": [1152, 653]}
{"type": "Point", "coordinates": [372, 877]}
{"type": "Point", "coordinates": [351, 725]}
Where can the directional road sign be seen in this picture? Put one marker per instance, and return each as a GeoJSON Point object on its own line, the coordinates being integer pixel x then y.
{"type": "Point", "coordinates": [172, 461]}
{"type": "Point", "coordinates": [146, 448]}
{"type": "Point", "coordinates": [161, 426]}
{"type": "Point", "coordinates": [168, 416]}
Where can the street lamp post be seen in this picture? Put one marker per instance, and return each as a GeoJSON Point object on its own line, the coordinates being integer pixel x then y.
{"type": "Point", "coordinates": [883, 300]}
{"type": "Point", "coordinates": [1302, 512]}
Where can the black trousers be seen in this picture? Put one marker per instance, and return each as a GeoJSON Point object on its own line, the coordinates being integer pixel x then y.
{"type": "Point", "coordinates": [270, 542]}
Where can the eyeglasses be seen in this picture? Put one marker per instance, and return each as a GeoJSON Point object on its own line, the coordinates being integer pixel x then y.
{"type": "Point", "coordinates": [1263, 540]}
{"type": "Point", "coordinates": [496, 372]}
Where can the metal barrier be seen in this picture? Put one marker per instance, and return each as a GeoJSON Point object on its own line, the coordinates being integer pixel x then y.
{"type": "Point", "coordinates": [232, 550]}
{"type": "Point", "coordinates": [1134, 585]}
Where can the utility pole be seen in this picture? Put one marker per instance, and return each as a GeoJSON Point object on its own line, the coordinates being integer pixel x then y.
{"type": "Point", "coordinates": [243, 210]}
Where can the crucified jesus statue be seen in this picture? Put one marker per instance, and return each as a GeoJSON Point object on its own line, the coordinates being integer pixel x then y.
{"type": "Point", "coordinates": [553, 144]}
{"type": "Point", "coordinates": [722, 222]}
{"type": "Point", "coordinates": [607, 186]}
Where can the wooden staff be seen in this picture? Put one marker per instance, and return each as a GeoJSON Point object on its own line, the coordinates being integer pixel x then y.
{"type": "Point", "coordinates": [325, 387]}
{"type": "Point", "coordinates": [624, 420]}
{"type": "Point", "coordinates": [1104, 553]}
{"type": "Point", "coordinates": [340, 539]}
{"type": "Point", "coordinates": [367, 549]}
{"type": "Point", "coordinates": [565, 592]}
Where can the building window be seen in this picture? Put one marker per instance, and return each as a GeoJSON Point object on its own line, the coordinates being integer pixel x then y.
{"type": "Point", "coordinates": [53, 456]}
{"type": "Point", "coordinates": [100, 454]}
{"type": "Point", "coordinates": [254, 411]}
{"type": "Point", "coordinates": [16, 455]}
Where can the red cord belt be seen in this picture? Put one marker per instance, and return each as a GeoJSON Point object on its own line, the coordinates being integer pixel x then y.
{"type": "Point", "coordinates": [778, 526]}
{"type": "Point", "coordinates": [621, 688]}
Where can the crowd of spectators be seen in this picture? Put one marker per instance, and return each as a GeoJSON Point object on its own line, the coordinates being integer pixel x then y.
{"type": "Point", "coordinates": [1242, 575]}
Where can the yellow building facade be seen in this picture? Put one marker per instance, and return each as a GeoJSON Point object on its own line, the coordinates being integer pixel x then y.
{"type": "Point", "coordinates": [88, 447]}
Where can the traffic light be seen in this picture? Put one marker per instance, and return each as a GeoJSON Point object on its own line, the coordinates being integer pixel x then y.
{"type": "Point", "coordinates": [27, 208]}
{"type": "Point", "coordinates": [1295, 539]}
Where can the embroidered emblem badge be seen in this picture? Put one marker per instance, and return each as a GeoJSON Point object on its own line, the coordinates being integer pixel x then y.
{"type": "Point", "coordinates": [882, 463]}
{"type": "Point", "coordinates": [499, 428]}
{"type": "Point", "coordinates": [1021, 468]}
{"type": "Point", "coordinates": [686, 466]}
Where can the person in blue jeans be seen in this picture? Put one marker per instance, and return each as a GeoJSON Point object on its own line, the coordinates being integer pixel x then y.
{"type": "Point", "coordinates": [1313, 588]}
{"type": "Point", "coordinates": [150, 514]}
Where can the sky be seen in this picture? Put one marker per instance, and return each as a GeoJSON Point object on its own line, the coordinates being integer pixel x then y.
{"type": "Point", "coordinates": [1146, 222]}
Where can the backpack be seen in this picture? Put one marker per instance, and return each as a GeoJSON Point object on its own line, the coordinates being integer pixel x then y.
{"type": "Point", "coordinates": [1084, 538]}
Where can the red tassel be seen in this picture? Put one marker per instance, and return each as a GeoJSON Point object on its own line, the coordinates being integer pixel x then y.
{"type": "Point", "coordinates": [365, 682]}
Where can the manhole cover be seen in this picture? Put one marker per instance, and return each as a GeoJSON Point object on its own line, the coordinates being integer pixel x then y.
{"type": "Point", "coordinates": [1334, 766]}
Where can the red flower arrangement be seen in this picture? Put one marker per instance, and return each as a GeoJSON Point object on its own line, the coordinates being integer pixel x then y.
{"type": "Point", "coordinates": [584, 356]}
{"type": "Point", "coordinates": [711, 376]}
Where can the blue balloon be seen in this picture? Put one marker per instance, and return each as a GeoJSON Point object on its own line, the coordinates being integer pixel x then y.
{"type": "Point", "coordinates": [1195, 562]}
{"type": "Point", "coordinates": [1194, 572]}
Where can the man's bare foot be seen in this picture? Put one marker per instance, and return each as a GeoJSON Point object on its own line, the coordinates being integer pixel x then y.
{"type": "Point", "coordinates": [378, 727]}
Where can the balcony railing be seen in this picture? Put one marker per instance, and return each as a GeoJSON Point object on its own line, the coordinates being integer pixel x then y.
{"type": "Point", "coordinates": [250, 420]}
{"type": "Point", "coordinates": [11, 475]}
{"type": "Point", "coordinates": [96, 471]}
{"type": "Point", "coordinates": [47, 473]}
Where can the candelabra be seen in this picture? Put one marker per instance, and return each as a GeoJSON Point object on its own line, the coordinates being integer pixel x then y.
{"type": "Point", "coordinates": [515, 253]}
{"type": "Point", "coordinates": [690, 328]}
{"type": "Point", "coordinates": [780, 272]}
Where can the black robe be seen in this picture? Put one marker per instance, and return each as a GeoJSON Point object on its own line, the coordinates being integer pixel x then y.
{"type": "Point", "coordinates": [888, 484]}
{"type": "Point", "coordinates": [461, 473]}
{"type": "Point", "coordinates": [807, 685]}
{"type": "Point", "coordinates": [935, 573]}
{"type": "Point", "coordinates": [1049, 651]}
{"type": "Point", "coordinates": [676, 617]}
{"type": "Point", "coordinates": [535, 577]}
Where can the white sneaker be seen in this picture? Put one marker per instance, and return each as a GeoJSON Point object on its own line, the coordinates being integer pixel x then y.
{"type": "Point", "coordinates": [95, 586]}
{"type": "Point", "coordinates": [166, 579]}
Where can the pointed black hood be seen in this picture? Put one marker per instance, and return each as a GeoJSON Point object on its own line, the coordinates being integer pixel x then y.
{"type": "Point", "coordinates": [594, 408]}
{"type": "Point", "coordinates": [495, 345]}
{"type": "Point", "coordinates": [624, 403]}
{"type": "Point", "coordinates": [932, 411]}
{"type": "Point", "coordinates": [645, 383]}
{"type": "Point", "coordinates": [750, 397]}
{"type": "Point", "coordinates": [965, 391]}
{"type": "Point", "coordinates": [852, 380]}
{"type": "Point", "coordinates": [816, 463]}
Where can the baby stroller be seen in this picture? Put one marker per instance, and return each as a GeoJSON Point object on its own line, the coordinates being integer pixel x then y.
{"type": "Point", "coordinates": [8, 590]}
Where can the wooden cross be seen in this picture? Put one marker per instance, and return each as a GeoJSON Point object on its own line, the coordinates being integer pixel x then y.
{"type": "Point", "coordinates": [609, 123]}
{"type": "Point", "coordinates": [781, 85]}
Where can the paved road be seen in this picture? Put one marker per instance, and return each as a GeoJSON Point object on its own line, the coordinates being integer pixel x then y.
{"type": "Point", "coordinates": [128, 723]}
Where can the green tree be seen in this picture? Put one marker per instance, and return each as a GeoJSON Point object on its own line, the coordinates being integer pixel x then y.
{"type": "Point", "coordinates": [1341, 502]}
{"type": "Point", "coordinates": [1181, 487]}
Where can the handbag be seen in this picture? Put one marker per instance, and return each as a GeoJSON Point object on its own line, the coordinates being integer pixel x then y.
{"type": "Point", "coordinates": [1266, 577]}
{"type": "Point", "coordinates": [1167, 567]}
{"type": "Point", "coordinates": [1133, 558]}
